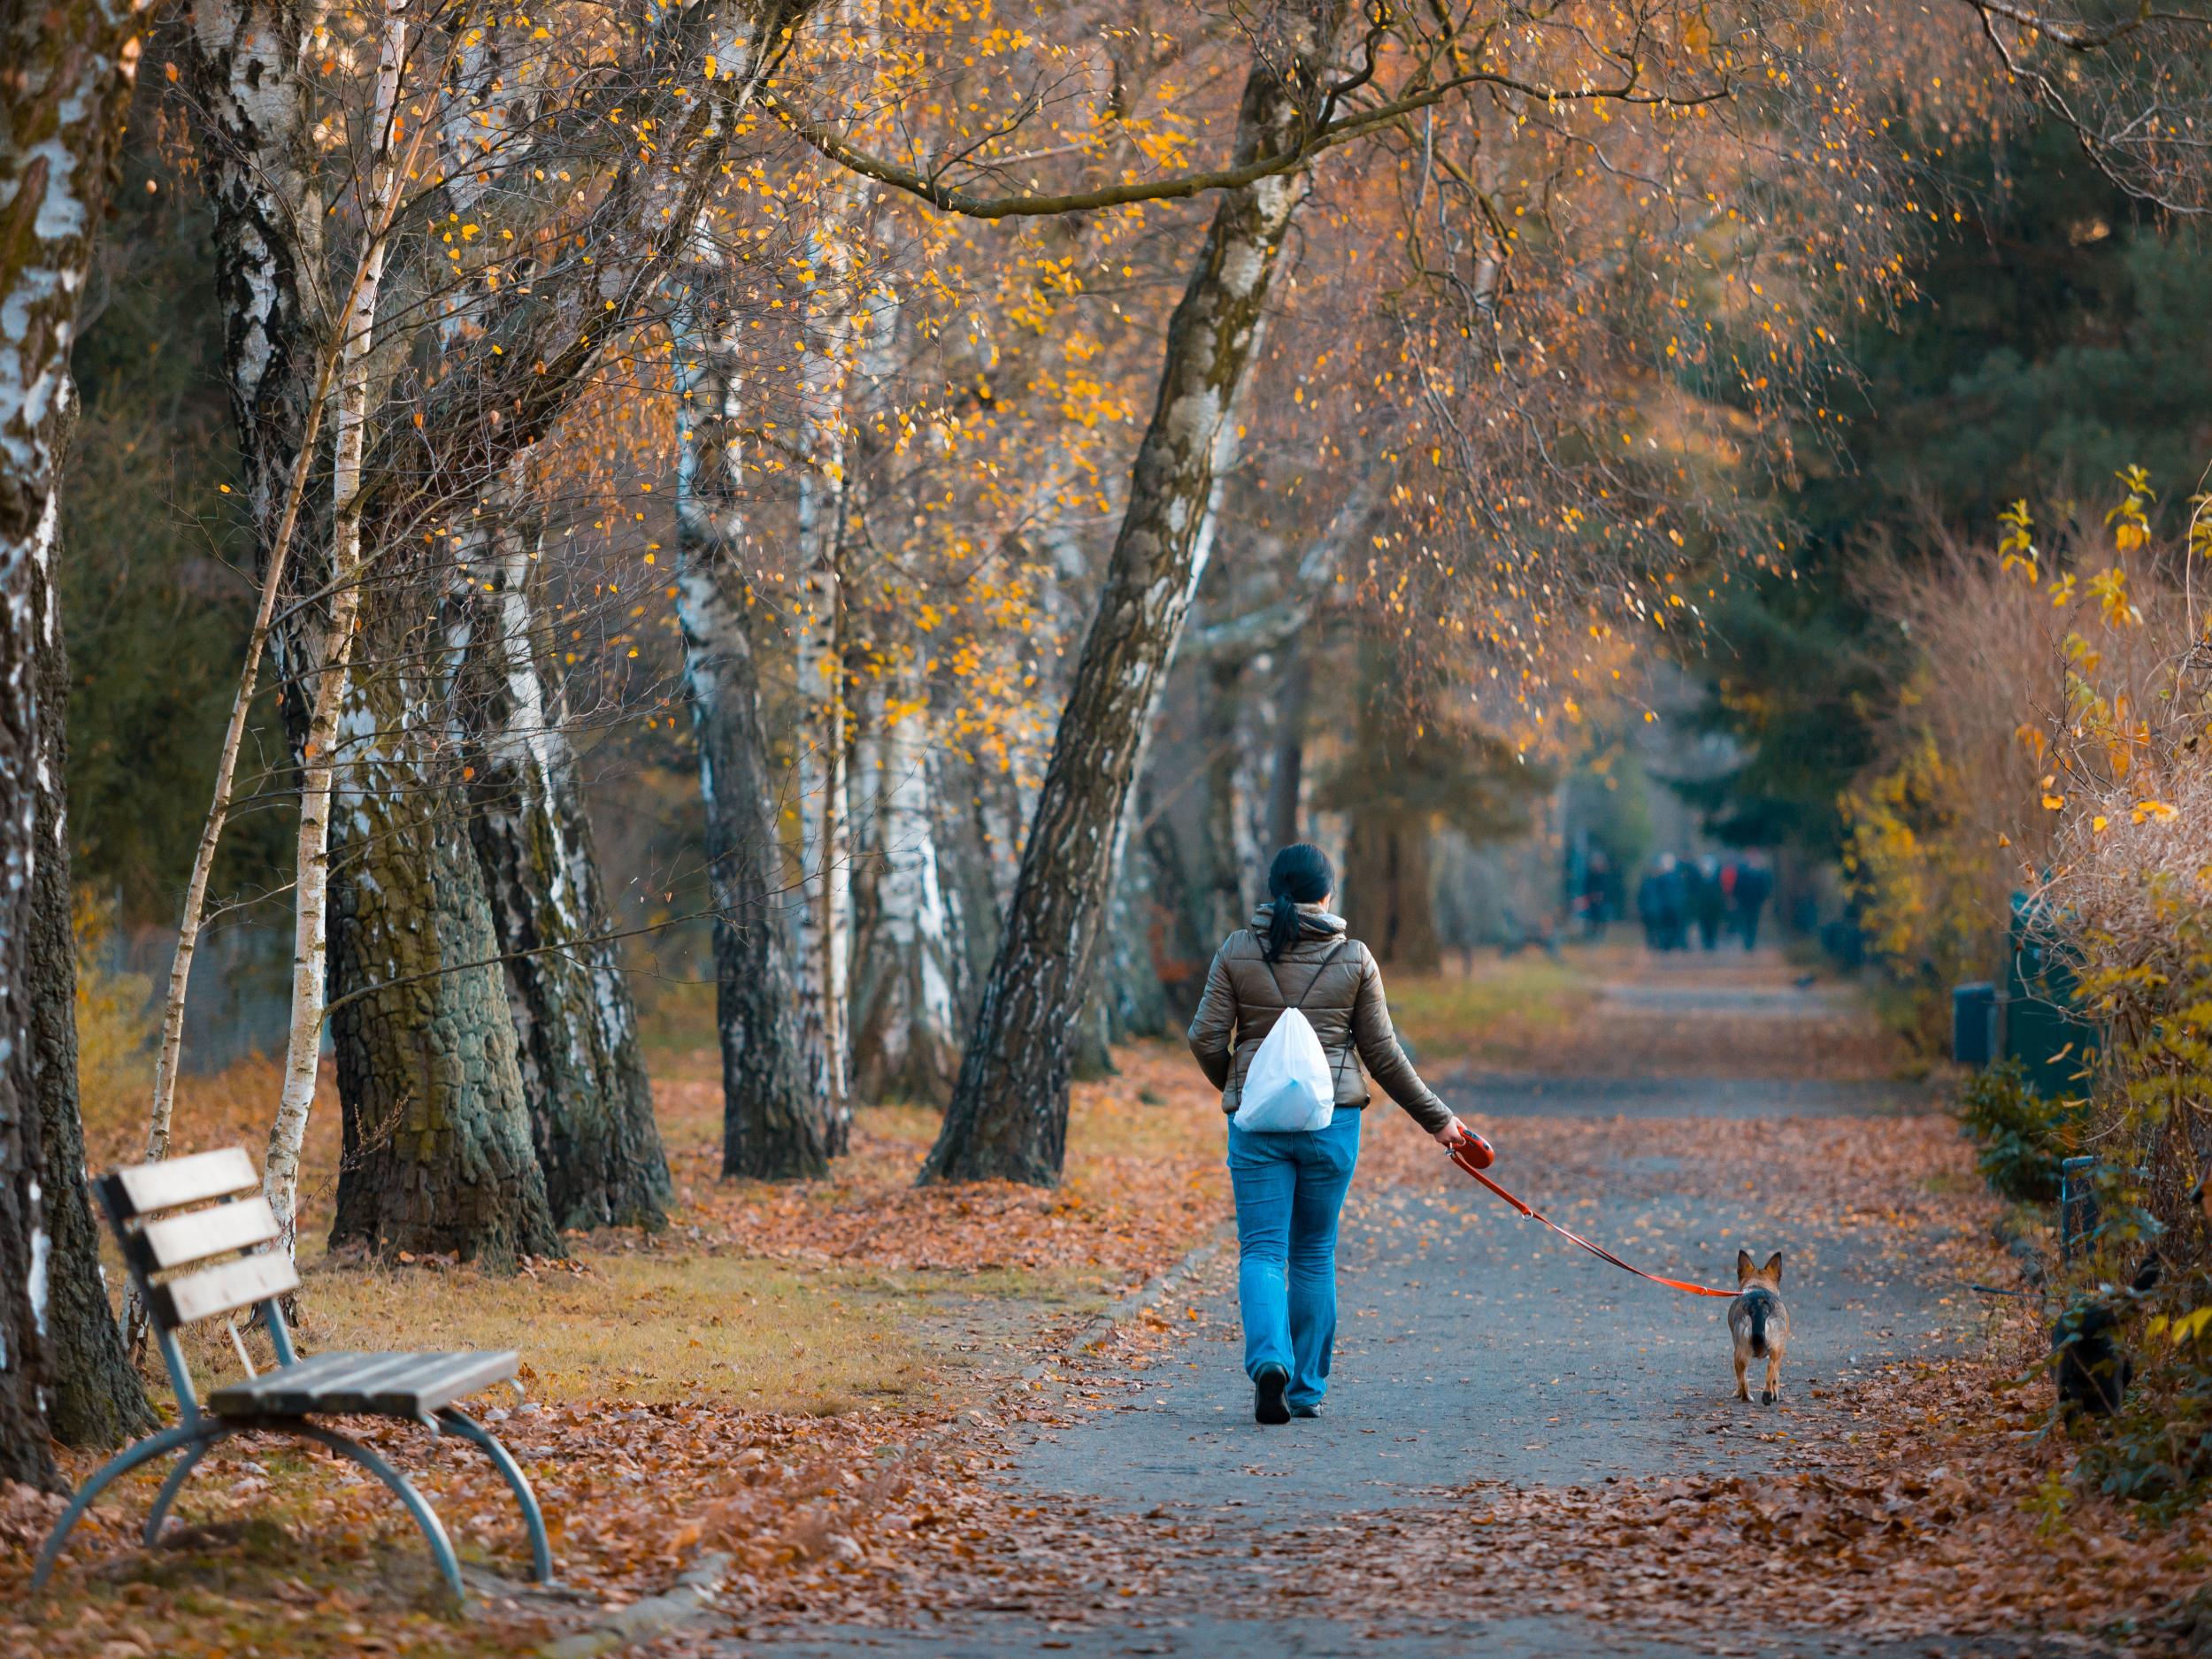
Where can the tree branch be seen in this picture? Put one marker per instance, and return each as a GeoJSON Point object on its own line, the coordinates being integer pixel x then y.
{"type": "Point", "coordinates": [930, 187]}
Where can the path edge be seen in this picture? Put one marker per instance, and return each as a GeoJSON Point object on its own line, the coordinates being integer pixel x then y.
{"type": "Point", "coordinates": [1095, 1335]}
{"type": "Point", "coordinates": [689, 1598]}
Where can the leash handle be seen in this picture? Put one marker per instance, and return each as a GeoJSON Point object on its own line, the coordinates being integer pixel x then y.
{"type": "Point", "coordinates": [1474, 1156]}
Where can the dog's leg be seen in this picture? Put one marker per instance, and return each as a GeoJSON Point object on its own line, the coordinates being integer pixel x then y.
{"type": "Point", "coordinates": [1773, 1391]}
{"type": "Point", "coordinates": [1743, 1391]}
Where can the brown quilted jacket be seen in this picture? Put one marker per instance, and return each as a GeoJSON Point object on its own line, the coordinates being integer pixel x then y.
{"type": "Point", "coordinates": [1344, 1005]}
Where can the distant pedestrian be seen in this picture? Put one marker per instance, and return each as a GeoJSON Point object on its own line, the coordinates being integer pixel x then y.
{"type": "Point", "coordinates": [1707, 902]}
{"type": "Point", "coordinates": [1596, 902]}
{"type": "Point", "coordinates": [1663, 903]}
{"type": "Point", "coordinates": [1754, 882]}
{"type": "Point", "coordinates": [1290, 1184]}
{"type": "Point", "coordinates": [1650, 903]}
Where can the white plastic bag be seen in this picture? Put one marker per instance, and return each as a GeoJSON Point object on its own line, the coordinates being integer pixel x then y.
{"type": "Point", "coordinates": [1288, 1088]}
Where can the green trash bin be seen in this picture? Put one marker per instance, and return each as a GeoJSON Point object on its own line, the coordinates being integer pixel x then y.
{"type": "Point", "coordinates": [2043, 1030]}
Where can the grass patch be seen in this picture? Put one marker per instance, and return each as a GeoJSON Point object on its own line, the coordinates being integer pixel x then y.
{"type": "Point", "coordinates": [1498, 1013]}
{"type": "Point", "coordinates": [649, 1326]}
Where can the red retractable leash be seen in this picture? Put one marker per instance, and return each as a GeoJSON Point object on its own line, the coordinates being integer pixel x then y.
{"type": "Point", "coordinates": [1474, 1156]}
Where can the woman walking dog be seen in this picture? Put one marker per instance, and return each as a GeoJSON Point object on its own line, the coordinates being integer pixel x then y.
{"type": "Point", "coordinates": [1293, 1134]}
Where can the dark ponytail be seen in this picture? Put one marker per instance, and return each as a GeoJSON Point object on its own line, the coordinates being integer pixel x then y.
{"type": "Point", "coordinates": [1300, 875]}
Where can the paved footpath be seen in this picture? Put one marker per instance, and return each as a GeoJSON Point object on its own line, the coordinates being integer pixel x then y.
{"type": "Point", "coordinates": [1472, 1345]}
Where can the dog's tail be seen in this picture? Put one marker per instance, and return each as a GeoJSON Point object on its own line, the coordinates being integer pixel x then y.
{"type": "Point", "coordinates": [1758, 1309]}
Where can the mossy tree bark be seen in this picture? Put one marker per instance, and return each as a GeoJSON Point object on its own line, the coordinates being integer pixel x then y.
{"type": "Point", "coordinates": [1008, 1113]}
{"type": "Point", "coordinates": [436, 1131]}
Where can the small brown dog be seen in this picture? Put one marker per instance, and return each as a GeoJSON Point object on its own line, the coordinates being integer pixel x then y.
{"type": "Point", "coordinates": [1760, 1321]}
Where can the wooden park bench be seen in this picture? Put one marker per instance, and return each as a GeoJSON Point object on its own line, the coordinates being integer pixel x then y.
{"type": "Point", "coordinates": [149, 1208]}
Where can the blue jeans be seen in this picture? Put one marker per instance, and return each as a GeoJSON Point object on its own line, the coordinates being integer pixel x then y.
{"type": "Point", "coordinates": [1290, 1188]}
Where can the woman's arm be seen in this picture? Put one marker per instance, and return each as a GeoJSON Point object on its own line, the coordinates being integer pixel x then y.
{"type": "Point", "coordinates": [1384, 1058]}
{"type": "Point", "coordinates": [1215, 1023]}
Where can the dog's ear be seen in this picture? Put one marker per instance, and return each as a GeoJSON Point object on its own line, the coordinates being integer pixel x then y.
{"type": "Point", "coordinates": [1773, 1268]}
{"type": "Point", "coordinates": [1743, 1265]}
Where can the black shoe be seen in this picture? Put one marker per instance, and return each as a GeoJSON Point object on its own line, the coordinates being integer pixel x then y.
{"type": "Point", "coordinates": [1305, 1411]}
{"type": "Point", "coordinates": [1267, 1395]}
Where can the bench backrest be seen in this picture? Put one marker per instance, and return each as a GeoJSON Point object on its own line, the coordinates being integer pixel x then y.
{"type": "Point", "coordinates": [202, 1221]}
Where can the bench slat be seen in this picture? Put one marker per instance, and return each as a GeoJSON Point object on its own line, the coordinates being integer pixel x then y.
{"type": "Point", "coordinates": [214, 1290]}
{"type": "Point", "coordinates": [290, 1390]}
{"type": "Point", "coordinates": [378, 1384]}
{"type": "Point", "coordinates": [145, 1188]}
{"type": "Point", "coordinates": [457, 1377]}
{"type": "Point", "coordinates": [300, 1373]}
{"type": "Point", "coordinates": [179, 1240]}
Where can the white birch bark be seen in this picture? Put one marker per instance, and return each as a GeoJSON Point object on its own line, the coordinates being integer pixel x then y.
{"type": "Point", "coordinates": [905, 1040]}
{"type": "Point", "coordinates": [823, 783]}
{"type": "Point", "coordinates": [319, 753]}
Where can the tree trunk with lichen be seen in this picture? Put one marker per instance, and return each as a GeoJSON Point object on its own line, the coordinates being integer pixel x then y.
{"type": "Point", "coordinates": [591, 1108]}
{"type": "Point", "coordinates": [1008, 1113]}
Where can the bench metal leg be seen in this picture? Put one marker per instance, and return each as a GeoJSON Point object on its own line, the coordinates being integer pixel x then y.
{"type": "Point", "coordinates": [178, 1476]}
{"type": "Point", "coordinates": [426, 1517]}
{"type": "Point", "coordinates": [541, 1547]}
{"type": "Point", "coordinates": [153, 1446]}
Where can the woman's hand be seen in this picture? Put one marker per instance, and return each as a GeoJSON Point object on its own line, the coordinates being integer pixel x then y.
{"type": "Point", "coordinates": [1464, 1144]}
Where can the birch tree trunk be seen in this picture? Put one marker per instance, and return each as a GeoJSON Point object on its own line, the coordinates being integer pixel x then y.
{"type": "Point", "coordinates": [66, 83]}
{"type": "Point", "coordinates": [591, 1108]}
{"type": "Point", "coordinates": [1008, 1113]}
{"type": "Point", "coordinates": [826, 848]}
{"type": "Point", "coordinates": [247, 64]}
{"type": "Point", "coordinates": [438, 1152]}
{"type": "Point", "coordinates": [905, 1043]}
{"type": "Point", "coordinates": [772, 1129]}
{"type": "Point", "coordinates": [319, 755]}
{"type": "Point", "coordinates": [905, 1038]}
